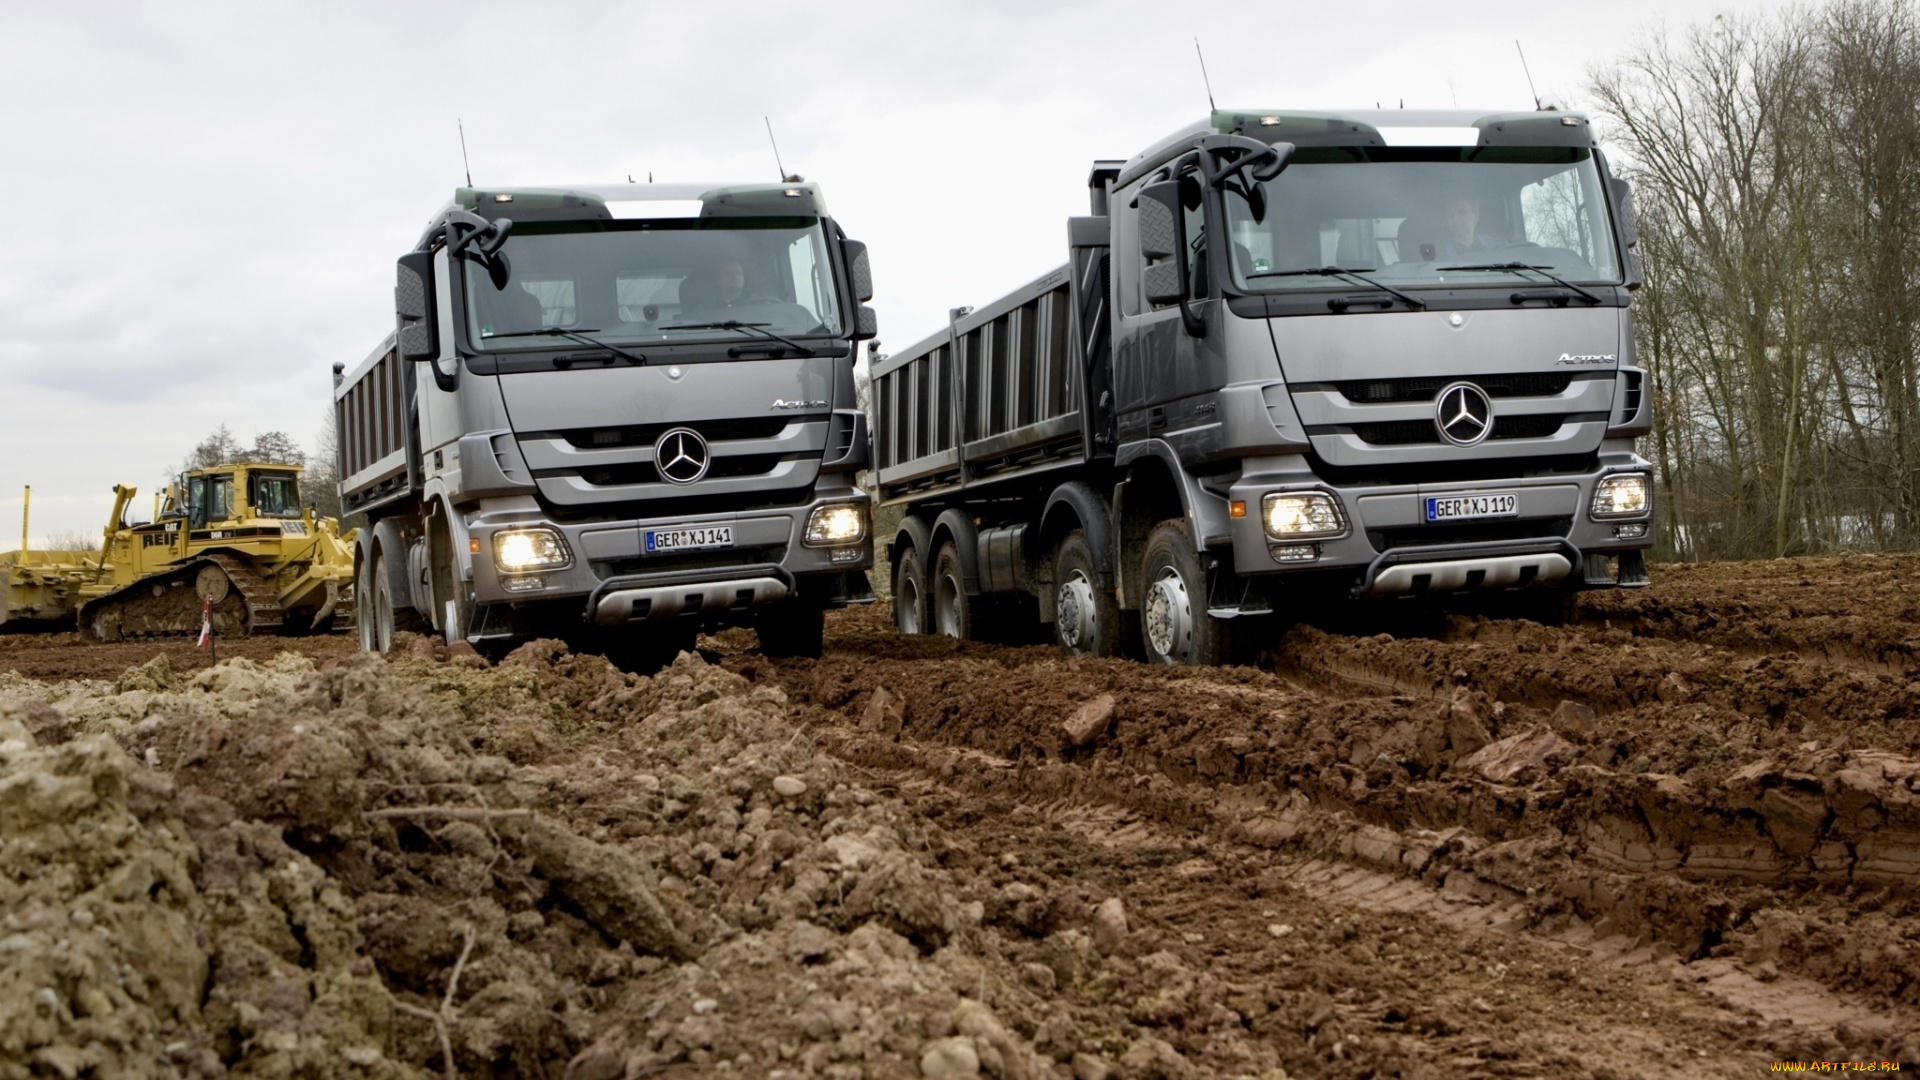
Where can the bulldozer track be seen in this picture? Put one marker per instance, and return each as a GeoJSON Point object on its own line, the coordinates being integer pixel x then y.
{"type": "Point", "coordinates": [170, 604]}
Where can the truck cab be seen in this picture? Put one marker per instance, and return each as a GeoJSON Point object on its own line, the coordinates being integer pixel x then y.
{"type": "Point", "coordinates": [613, 414]}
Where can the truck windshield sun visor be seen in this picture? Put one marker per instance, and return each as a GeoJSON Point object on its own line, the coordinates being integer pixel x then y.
{"type": "Point", "coordinates": [631, 282]}
{"type": "Point", "coordinates": [1422, 217]}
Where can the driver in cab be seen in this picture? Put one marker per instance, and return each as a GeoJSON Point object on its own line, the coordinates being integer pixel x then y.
{"type": "Point", "coordinates": [1463, 235]}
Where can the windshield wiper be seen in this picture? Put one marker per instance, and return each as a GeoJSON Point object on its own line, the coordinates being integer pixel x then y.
{"type": "Point", "coordinates": [751, 327]}
{"type": "Point", "coordinates": [576, 335]}
{"type": "Point", "coordinates": [1518, 267]}
{"type": "Point", "coordinates": [1358, 275]}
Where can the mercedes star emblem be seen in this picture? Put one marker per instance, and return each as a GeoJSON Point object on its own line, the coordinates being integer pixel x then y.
{"type": "Point", "coordinates": [1464, 414]}
{"type": "Point", "coordinates": [681, 456]}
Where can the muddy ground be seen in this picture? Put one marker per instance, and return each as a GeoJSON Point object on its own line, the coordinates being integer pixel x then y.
{"type": "Point", "coordinates": [1684, 832]}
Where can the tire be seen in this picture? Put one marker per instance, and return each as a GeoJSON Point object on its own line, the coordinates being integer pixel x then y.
{"type": "Point", "coordinates": [910, 593]}
{"type": "Point", "coordinates": [381, 621]}
{"type": "Point", "coordinates": [952, 608]}
{"type": "Point", "coordinates": [795, 628]}
{"type": "Point", "coordinates": [1174, 625]}
{"type": "Point", "coordinates": [1087, 619]}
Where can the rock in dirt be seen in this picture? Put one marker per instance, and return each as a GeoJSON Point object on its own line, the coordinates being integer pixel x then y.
{"type": "Point", "coordinates": [789, 787]}
{"type": "Point", "coordinates": [1109, 924]}
{"type": "Point", "coordinates": [886, 714]}
{"type": "Point", "coordinates": [1575, 719]}
{"type": "Point", "coordinates": [949, 1057]}
{"type": "Point", "coordinates": [1503, 761]}
{"type": "Point", "coordinates": [607, 885]}
{"type": "Point", "coordinates": [1089, 720]}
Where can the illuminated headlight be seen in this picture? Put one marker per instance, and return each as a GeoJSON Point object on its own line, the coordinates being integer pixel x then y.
{"type": "Point", "coordinates": [521, 550]}
{"type": "Point", "coordinates": [1621, 495]}
{"type": "Point", "coordinates": [831, 526]}
{"type": "Point", "coordinates": [1301, 515]}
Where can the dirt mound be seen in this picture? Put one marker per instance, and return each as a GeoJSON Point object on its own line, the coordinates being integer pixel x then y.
{"type": "Point", "coordinates": [272, 868]}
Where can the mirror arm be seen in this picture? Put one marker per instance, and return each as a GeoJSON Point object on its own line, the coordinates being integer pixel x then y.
{"type": "Point", "coordinates": [1189, 318]}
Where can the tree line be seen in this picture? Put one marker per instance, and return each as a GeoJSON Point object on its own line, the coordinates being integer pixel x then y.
{"type": "Point", "coordinates": [1776, 170]}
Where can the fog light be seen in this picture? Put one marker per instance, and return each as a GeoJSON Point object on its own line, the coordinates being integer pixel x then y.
{"type": "Point", "coordinates": [1635, 531]}
{"type": "Point", "coordinates": [530, 549]}
{"type": "Point", "coordinates": [832, 526]}
{"type": "Point", "coordinates": [1293, 515]}
{"type": "Point", "coordinates": [851, 554]}
{"type": "Point", "coordinates": [1621, 495]}
{"type": "Point", "coordinates": [527, 583]}
{"type": "Point", "coordinates": [1294, 552]}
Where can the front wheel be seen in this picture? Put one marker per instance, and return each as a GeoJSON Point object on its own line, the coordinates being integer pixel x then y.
{"type": "Point", "coordinates": [1174, 624]}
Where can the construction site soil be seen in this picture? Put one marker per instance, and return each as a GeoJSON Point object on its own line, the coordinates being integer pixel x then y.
{"type": "Point", "coordinates": [1681, 833]}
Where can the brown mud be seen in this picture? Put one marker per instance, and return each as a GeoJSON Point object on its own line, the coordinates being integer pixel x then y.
{"type": "Point", "coordinates": [1685, 831]}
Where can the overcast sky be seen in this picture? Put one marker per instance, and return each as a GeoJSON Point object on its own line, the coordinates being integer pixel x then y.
{"type": "Point", "coordinates": [204, 201]}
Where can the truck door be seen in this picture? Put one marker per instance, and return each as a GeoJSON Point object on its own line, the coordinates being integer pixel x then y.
{"type": "Point", "coordinates": [1155, 359]}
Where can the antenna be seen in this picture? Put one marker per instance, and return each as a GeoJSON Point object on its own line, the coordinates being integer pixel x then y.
{"type": "Point", "coordinates": [1203, 75]}
{"type": "Point", "coordinates": [1529, 71]}
{"type": "Point", "coordinates": [462, 124]}
{"type": "Point", "coordinates": [784, 178]}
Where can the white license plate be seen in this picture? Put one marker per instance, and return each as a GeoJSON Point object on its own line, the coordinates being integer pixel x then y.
{"type": "Point", "coordinates": [659, 541]}
{"type": "Point", "coordinates": [1490, 504]}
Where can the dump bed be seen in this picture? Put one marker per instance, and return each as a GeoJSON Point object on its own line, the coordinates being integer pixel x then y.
{"type": "Point", "coordinates": [999, 393]}
{"type": "Point", "coordinates": [371, 406]}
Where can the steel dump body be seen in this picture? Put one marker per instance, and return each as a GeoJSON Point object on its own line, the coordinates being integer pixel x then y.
{"type": "Point", "coordinates": [672, 474]}
{"type": "Point", "coordinates": [1446, 394]}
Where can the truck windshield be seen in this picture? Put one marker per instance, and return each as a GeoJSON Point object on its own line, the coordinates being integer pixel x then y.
{"type": "Point", "coordinates": [629, 281]}
{"type": "Point", "coordinates": [1423, 216]}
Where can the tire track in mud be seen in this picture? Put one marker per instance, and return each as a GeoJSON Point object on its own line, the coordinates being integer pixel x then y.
{"type": "Point", "coordinates": [1358, 772]}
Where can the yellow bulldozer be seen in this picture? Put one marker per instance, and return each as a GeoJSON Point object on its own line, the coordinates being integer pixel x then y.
{"type": "Point", "coordinates": [234, 535]}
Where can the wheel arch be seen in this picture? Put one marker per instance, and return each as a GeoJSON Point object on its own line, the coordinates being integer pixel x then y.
{"type": "Point", "coordinates": [1151, 493]}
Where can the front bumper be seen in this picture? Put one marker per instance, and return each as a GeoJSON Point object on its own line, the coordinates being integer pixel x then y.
{"type": "Point", "coordinates": [1389, 549]}
{"type": "Point", "coordinates": [611, 580]}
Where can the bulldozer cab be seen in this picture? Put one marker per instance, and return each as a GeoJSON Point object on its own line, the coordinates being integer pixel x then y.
{"type": "Point", "coordinates": [231, 492]}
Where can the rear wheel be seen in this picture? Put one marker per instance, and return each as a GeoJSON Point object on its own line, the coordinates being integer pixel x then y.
{"type": "Point", "coordinates": [795, 628]}
{"type": "Point", "coordinates": [952, 607]}
{"type": "Point", "coordinates": [382, 619]}
{"type": "Point", "coordinates": [1174, 624]}
{"type": "Point", "coordinates": [1086, 618]}
{"type": "Point", "coordinates": [910, 593]}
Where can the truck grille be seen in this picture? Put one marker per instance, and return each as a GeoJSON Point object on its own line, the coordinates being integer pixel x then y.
{"type": "Point", "coordinates": [648, 434]}
{"type": "Point", "coordinates": [645, 472]}
{"type": "Point", "coordinates": [1390, 391]}
{"type": "Point", "coordinates": [1420, 432]}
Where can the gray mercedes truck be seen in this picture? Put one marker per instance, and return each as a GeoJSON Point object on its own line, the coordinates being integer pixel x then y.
{"type": "Point", "coordinates": [1294, 359]}
{"type": "Point", "coordinates": [614, 415]}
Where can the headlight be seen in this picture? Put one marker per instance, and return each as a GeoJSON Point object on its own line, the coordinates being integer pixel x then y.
{"type": "Point", "coordinates": [832, 526]}
{"type": "Point", "coordinates": [530, 549]}
{"type": "Point", "coordinates": [1622, 495]}
{"type": "Point", "coordinates": [1301, 515]}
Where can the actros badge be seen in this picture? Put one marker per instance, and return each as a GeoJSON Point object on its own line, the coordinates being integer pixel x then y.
{"type": "Point", "coordinates": [783, 403]}
{"type": "Point", "coordinates": [1586, 358]}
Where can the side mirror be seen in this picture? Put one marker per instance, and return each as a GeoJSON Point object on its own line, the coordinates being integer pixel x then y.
{"type": "Point", "coordinates": [1629, 232]}
{"type": "Point", "coordinates": [1163, 244]}
{"type": "Point", "coordinates": [416, 330]}
{"type": "Point", "coordinates": [859, 274]}
{"type": "Point", "coordinates": [866, 324]}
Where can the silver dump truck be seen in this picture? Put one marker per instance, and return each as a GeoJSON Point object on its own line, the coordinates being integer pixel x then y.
{"type": "Point", "coordinates": [1294, 359]}
{"type": "Point", "coordinates": [614, 415]}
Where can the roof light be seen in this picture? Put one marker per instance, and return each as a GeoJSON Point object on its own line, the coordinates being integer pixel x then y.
{"type": "Point", "coordinates": [503, 197]}
{"type": "Point", "coordinates": [793, 193]}
{"type": "Point", "coordinates": [1269, 121]}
